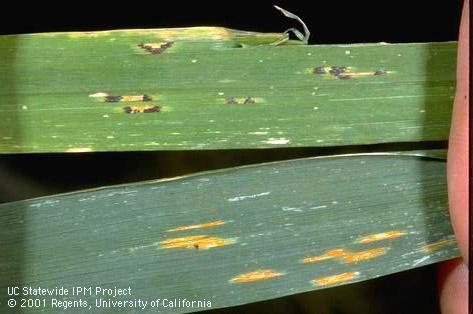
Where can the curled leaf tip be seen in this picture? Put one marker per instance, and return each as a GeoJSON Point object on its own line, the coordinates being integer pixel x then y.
{"type": "Point", "coordinates": [304, 38]}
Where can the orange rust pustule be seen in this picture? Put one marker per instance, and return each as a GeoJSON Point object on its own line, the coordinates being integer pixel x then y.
{"type": "Point", "coordinates": [335, 279]}
{"type": "Point", "coordinates": [431, 247]}
{"type": "Point", "coordinates": [327, 255]}
{"type": "Point", "coordinates": [345, 256]}
{"type": "Point", "coordinates": [262, 274]}
{"type": "Point", "coordinates": [389, 235]}
{"type": "Point", "coordinates": [136, 98]}
{"type": "Point", "coordinates": [198, 226]}
{"type": "Point", "coordinates": [195, 242]}
{"type": "Point", "coordinates": [182, 239]}
{"type": "Point", "coordinates": [355, 257]}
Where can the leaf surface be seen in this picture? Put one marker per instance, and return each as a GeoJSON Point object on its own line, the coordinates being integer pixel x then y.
{"type": "Point", "coordinates": [215, 88]}
{"type": "Point", "coordinates": [237, 235]}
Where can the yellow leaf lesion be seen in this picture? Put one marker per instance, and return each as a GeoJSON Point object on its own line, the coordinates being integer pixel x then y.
{"type": "Point", "coordinates": [346, 256]}
{"type": "Point", "coordinates": [355, 257]}
{"type": "Point", "coordinates": [438, 245]}
{"type": "Point", "coordinates": [327, 255]}
{"type": "Point", "coordinates": [196, 242]}
{"type": "Point", "coordinates": [204, 33]}
{"type": "Point", "coordinates": [335, 279]}
{"type": "Point", "coordinates": [389, 235]}
{"type": "Point", "coordinates": [79, 150]}
{"type": "Point", "coordinates": [124, 98]}
{"type": "Point", "coordinates": [93, 34]}
{"type": "Point", "coordinates": [198, 226]}
{"type": "Point", "coordinates": [258, 275]}
{"type": "Point", "coordinates": [187, 33]}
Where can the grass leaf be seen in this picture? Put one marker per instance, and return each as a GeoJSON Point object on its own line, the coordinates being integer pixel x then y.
{"type": "Point", "coordinates": [238, 235]}
{"type": "Point", "coordinates": [215, 88]}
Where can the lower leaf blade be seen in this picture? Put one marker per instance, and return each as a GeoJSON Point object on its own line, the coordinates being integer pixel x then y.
{"type": "Point", "coordinates": [235, 236]}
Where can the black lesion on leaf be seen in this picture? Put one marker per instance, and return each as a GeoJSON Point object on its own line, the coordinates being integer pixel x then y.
{"type": "Point", "coordinates": [235, 101]}
{"type": "Point", "coordinates": [337, 70]}
{"type": "Point", "coordinates": [152, 109]}
{"type": "Point", "coordinates": [249, 100]}
{"type": "Point", "coordinates": [380, 72]}
{"type": "Point", "coordinates": [319, 70]}
{"type": "Point", "coordinates": [231, 101]}
{"type": "Point", "coordinates": [156, 50]}
{"type": "Point", "coordinates": [147, 98]}
{"type": "Point", "coordinates": [141, 109]}
{"type": "Point", "coordinates": [342, 73]}
{"type": "Point", "coordinates": [112, 98]}
{"type": "Point", "coordinates": [167, 45]}
{"type": "Point", "coordinates": [127, 109]}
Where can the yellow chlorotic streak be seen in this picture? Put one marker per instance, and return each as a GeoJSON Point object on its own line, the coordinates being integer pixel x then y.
{"type": "Point", "coordinates": [346, 257]}
{"type": "Point", "coordinates": [87, 34]}
{"type": "Point", "coordinates": [389, 235]}
{"type": "Point", "coordinates": [335, 279]}
{"type": "Point", "coordinates": [134, 98]}
{"type": "Point", "coordinates": [198, 226]}
{"type": "Point", "coordinates": [79, 150]}
{"type": "Point", "coordinates": [125, 98]}
{"type": "Point", "coordinates": [262, 274]}
{"type": "Point", "coordinates": [195, 242]}
{"type": "Point", "coordinates": [99, 94]}
{"type": "Point", "coordinates": [356, 257]}
{"type": "Point", "coordinates": [182, 239]}
{"type": "Point", "coordinates": [359, 73]}
{"type": "Point", "coordinates": [328, 255]}
{"type": "Point", "coordinates": [438, 245]}
{"type": "Point", "coordinates": [153, 45]}
{"type": "Point", "coordinates": [176, 33]}
{"type": "Point", "coordinates": [189, 33]}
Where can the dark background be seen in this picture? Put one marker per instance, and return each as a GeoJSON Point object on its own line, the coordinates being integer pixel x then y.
{"type": "Point", "coordinates": [330, 22]}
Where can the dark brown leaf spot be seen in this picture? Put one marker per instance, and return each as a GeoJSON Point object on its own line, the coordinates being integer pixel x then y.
{"type": "Point", "coordinates": [249, 100]}
{"type": "Point", "coordinates": [141, 109]}
{"type": "Point", "coordinates": [319, 70]}
{"type": "Point", "coordinates": [232, 101]}
{"type": "Point", "coordinates": [154, 49]}
{"type": "Point", "coordinates": [112, 98]}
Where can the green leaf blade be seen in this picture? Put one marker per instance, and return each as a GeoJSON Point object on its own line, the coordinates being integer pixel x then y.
{"type": "Point", "coordinates": [45, 103]}
{"type": "Point", "coordinates": [265, 217]}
